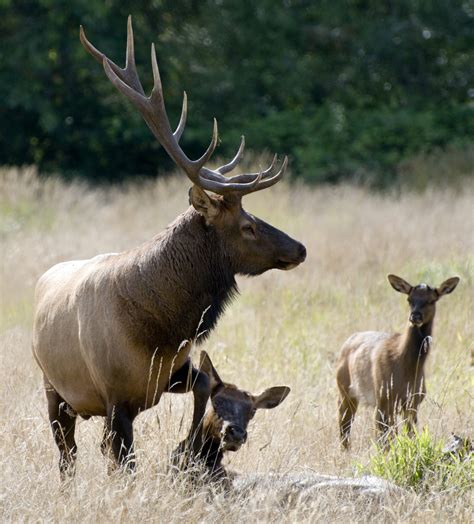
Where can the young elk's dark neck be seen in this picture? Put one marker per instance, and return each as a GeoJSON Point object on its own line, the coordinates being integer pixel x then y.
{"type": "Point", "coordinates": [212, 454]}
{"type": "Point", "coordinates": [412, 343]}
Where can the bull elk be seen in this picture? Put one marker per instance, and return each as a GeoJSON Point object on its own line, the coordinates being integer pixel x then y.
{"type": "Point", "coordinates": [387, 370]}
{"type": "Point", "coordinates": [227, 416]}
{"type": "Point", "coordinates": [112, 332]}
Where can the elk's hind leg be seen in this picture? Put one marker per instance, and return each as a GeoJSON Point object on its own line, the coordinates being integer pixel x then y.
{"type": "Point", "coordinates": [63, 424]}
{"type": "Point", "coordinates": [347, 410]}
{"type": "Point", "coordinates": [385, 421]}
{"type": "Point", "coordinates": [347, 404]}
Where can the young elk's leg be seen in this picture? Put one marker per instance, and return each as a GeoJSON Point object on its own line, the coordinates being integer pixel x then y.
{"type": "Point", "coordinates": [186, 379]}
{"type": "Point", "coordinates": [384, 420]}
{"type": "Point", "coordinates": [347, 403]}
{"type": "Point", "coordinates": [347, 411]}
{"type": "Point", "coordinates": [410, 417]}
{"type": "Point", "coordinates": [63, 424]}
{"type": "Point", "coordinates": [410, 412]}
{"type": "Point", "coordinates": [410, 409]}
{"type": "Point", "coordinates": [119, 433]}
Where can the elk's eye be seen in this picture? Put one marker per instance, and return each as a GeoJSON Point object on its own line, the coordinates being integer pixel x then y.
{"type": "Point", "coordinates": [248, 230]}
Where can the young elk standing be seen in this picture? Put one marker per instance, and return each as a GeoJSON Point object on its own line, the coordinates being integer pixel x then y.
{"type": "Point", "coordinates": [387, 370]}
{"type": "Point", "coordinates": [227, 417]}
{"type": "Point", "coordinates": [109, 332]}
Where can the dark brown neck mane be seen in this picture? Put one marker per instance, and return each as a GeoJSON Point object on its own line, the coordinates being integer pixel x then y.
{"type": "Point", "coordinates": [176, 286]}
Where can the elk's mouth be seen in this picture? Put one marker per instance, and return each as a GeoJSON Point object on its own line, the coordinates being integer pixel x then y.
{"type": "Point", "coordinates": [286, 265]}
{"type": "Point", "coordinates": [291, 262]}
{"type": "Point", "coordinates": [231, 446]}
{"type": "Point", "coordinates": [416, 323]}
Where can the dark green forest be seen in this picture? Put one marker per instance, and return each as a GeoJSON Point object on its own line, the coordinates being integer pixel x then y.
{"type": "Point", "coordinates": [349, 89]}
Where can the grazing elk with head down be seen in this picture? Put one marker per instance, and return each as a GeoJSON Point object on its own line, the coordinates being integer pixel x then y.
{"type": "Point", "coordinates": [111, 333]}
{"type": "Point", "coordinates": [387, 370]}
{"type": "Point", "coordinates": [227, 416]}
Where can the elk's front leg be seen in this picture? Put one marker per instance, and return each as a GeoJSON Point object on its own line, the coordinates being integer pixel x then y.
{"type": "Point", "coordinates": [385, 421]}
{"type": "Point", "coordinates": [187, 379]}
{"type": "Point", "coordinates": [118, 433]}
{"type": "Point", "coordinates": [410, 408]}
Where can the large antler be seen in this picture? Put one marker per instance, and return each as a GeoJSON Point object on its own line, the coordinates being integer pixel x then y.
{"type": "Point", "coordinates": [153, 110]}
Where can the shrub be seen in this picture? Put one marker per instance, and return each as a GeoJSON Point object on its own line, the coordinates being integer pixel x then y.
{"type": "Point", "coordinates": [420, 463]}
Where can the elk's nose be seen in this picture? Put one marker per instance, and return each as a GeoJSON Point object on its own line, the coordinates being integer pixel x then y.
{"type": "Point", "coordinates": [416, 317]}
{"type": "Point", "coordinates": [236, 433]}
{"type": "Point", "coordinates": [302, 252]}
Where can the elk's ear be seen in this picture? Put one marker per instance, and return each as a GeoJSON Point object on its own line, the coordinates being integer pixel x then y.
{"type": "Point", "coordinates": [400, 285]}
{"type": "Point", "coordinates": [447, 286]}
{"type": "Point", "coordinates": [271, 397]}
{"type": "Point", "coordinates": [205, 364]}
{"type": "Point", "coordinates": [203, 203]}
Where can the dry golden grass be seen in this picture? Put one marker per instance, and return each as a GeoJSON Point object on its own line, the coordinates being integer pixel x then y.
{"type": "Point", "coordinates": [285, 328]}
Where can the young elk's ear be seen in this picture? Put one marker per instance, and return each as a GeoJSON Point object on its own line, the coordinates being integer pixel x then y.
{"type": "Point", "coordinates": [271, 397]}
{"type": "Point", "coordinates": [205, 364]}
{"type": "Point", "coordinates": [447, 286]}
{"type": "Point", "coordinates": [203, 203]}
{"type": "Point", "coordinates": [400, 285]}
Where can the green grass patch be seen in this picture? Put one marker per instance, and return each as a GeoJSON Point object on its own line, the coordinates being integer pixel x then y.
{"type": "Point", "coordinates": [421, 463]}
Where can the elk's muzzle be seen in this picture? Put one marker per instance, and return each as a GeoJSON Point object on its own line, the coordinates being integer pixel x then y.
{"type": "Point", "coordinates": [234, 437]}
{"type": "Point", "coordinates": [416, 319]}
{"type": "Point", "coordinates": [287, 263]}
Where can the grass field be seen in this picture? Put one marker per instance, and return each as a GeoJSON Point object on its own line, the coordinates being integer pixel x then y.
{"type": "Point", "coordinates": [285, 328]}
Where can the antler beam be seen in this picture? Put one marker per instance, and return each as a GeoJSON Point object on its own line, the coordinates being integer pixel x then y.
{"type": "Point", "coordinates": [153, 111]}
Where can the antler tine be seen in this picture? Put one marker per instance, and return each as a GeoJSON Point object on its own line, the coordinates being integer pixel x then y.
{"type": "Point", "coordinates": [182, 119]}
{"type": "Point", "coordinates": [129, 73]}
{"type": "Point", "coordinates": [274, 179]}
{"type": "Point", "coordinates": [212, 146]}
{"type": "Point", "coordinates": [157, 87]}
{"type": "Point", "coordinates": [225, 187]}
{"type": "Point", "coordinates": [130, 54]}
{"type": "Point", "coordinates": [191, 167]}
{"type": "Point", "coordinates": [269, 170]}
{"type": "Point", "coordinates": [264, 181]}
{"type": "Point", "coordinates": [235, 161]}
{"type": "Point", "coordinates": [248, 177]}
{"type": "Point", "coordinates": [242, 184]}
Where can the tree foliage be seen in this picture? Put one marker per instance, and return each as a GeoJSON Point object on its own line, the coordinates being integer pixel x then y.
{"type": "Point", "coordinates": [347, 88]}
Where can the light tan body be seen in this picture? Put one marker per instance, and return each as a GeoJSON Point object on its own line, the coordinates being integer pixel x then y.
{"type": "Point", "coordinates": [362, 358]}
{"type": "Point", "coordinates": [379, 370]}
{"type": "Point", "coordinates": [386, 371]}
{"type": "Point", "coordinates": [86, 354]}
